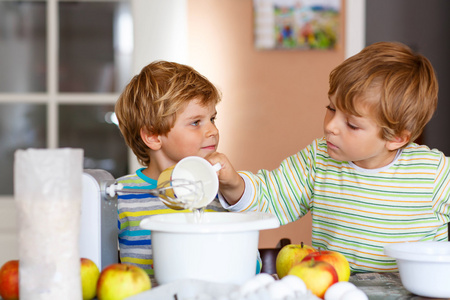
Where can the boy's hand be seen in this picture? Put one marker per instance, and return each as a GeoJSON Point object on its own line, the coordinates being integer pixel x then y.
{"type": "Point", "coordinates": [231, 185]}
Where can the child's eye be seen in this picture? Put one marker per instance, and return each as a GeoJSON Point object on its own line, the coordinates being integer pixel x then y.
{"type": "Point", "coordinates": [195, 123]}
{"type": "Point", "coordinates": [351, 126]}
{"type": "Point", "coordinates": [330, 108]}
{"type": "Point", "coordinates": [213, 120]}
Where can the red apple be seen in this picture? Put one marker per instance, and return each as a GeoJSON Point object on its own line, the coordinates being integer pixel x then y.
{"type": "Point", "coordinates": [89, 278]}
{"type": "Point", "coordinates": [9, 280]}
{"type": "Point", "coordinates": [317, 275]}
{"type": "Point", "coordinates": [118, 281]}
{"type": "Point", "coordinates": [290, 255]}
{"type": "Point", "coordinates": [336, 259]}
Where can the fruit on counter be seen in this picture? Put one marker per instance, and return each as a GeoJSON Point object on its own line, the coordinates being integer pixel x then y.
{"type": "Point", "coordinates": [118, 281]}
{"type": "Point", "coordinates": [318, 276]}
{"type": "Point", "coordinates": [290, 255]}
{"type": "Point", "coordinates": [9, 280]}
{"type": "Point", "coordinates": [89, 278]}
{"type": "Point", "coordinates": [336, 259]}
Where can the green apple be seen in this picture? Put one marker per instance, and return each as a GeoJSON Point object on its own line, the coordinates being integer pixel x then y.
{"type": "Point", "coordinates": [9, 280]}
{"type": "Point", "coordinates": [318, 276]}
{"type": "Point", "coordinates": [89, 277]}
{"type": "Point", "coordinates": [336, 259]}
{"type": "Point", "coordinates": [119, 281]}
{"type": "Point", "coordinates": [290, 255]}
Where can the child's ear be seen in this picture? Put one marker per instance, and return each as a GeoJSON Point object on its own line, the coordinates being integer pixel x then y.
{"type": "Point", "coordinates": [151, 139]}
{"type": "Point", "coordinates": [399, 141]}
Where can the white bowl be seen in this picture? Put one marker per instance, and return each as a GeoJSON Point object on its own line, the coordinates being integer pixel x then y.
{"type": "Point", "coordinates": [221, 248]}
{"type": "Point", "coordinates": [424, 267]}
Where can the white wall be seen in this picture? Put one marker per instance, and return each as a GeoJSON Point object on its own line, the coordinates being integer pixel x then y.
{"type": "Point", "coordinates": [355, 26]}
{"type": "Point", "coordinates": [160, 33]}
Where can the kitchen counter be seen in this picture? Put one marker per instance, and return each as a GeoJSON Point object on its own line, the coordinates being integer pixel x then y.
{"type": "Point", "coordinates": [383, 286]}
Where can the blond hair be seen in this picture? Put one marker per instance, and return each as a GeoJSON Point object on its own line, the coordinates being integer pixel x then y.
{"type": "Point", "coordinates": [153, 98]}
{"type": "Point", "coordinates": [403, 82]}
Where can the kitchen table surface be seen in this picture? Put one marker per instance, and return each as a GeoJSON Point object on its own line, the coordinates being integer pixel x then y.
{"type": "Point", "coordinates": [383, 286]}
{"type": "Point", "coordinates": [380, 286]}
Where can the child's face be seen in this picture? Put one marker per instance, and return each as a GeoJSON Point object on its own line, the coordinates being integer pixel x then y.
{"type": "Point", "coordinates": [194, 133]}
{"type": "Point", "coordinates": [356, 139]}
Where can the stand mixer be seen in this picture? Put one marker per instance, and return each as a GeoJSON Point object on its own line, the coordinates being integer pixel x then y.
{"type": "Point", "coordinates": [98, 232]}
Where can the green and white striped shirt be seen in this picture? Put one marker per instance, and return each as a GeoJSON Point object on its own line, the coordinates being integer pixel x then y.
{"type": "Point", "coordinates": [357, 211]}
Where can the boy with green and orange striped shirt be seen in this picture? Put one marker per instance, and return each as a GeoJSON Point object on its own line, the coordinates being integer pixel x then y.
{"type": "Point", "coordinates": [365, 182]}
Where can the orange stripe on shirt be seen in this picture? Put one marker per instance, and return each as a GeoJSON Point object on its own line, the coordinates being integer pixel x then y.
{"type": "Point", "coordinates": [371, 226]}
{"type": "Point", "coordinates": [370, 184]}
{"type": "Point", "coordinates": [254, 188]}
{"type": "Point", "coordinates": [353, 249]}
{"type": "Point", "coordinates": [371, 198]}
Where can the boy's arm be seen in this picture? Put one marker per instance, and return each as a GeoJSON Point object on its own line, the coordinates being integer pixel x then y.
{"type": "Point", "coordinates": [232, 193]}
{"type": "Point", "coordinates": [231, 184]}
{"type": "Point", "coordinates": [285, 191]}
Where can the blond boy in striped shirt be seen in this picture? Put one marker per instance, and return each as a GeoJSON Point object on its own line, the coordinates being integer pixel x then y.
{"type": "Point", "coordinates": [366, 183]}
{"type": "Point", "coordinates": [165, 113]}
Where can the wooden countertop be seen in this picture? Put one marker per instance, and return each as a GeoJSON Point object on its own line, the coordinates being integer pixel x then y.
{"type": "Point", "coordinates": [383, 286]}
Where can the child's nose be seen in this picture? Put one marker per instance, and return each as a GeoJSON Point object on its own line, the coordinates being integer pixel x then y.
{"type": "Point", "coordinates": [331, 126]}
{"type": "Point", "coordinates": [212, 130]}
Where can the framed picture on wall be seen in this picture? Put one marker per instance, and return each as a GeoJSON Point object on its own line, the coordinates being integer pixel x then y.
{"type": "Point", "coordinates": [296, 24]}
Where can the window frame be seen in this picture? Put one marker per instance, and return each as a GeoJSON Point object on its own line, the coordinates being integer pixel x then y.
{"type": "Point", "coordinates": [52, 98]}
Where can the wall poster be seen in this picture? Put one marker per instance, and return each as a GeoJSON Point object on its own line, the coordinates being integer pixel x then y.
{"type": "Point", "coordinates": [296, 24]}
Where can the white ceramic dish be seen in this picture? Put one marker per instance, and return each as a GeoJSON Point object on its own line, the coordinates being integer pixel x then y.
{"type": "Point", "coordinates": [424, 267]}
{"type": "Point", "coordinates": [187, 289]}
{"type": "Point", "coordinates": [222, 248]}
{"type": "Point", "coordinates": [206, 290]}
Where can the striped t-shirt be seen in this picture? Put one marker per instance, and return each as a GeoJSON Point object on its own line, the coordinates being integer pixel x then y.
{"type": "Point", "coordinates": [134, 242]}
{"type": "Point", "coordinates": [357, 211]}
